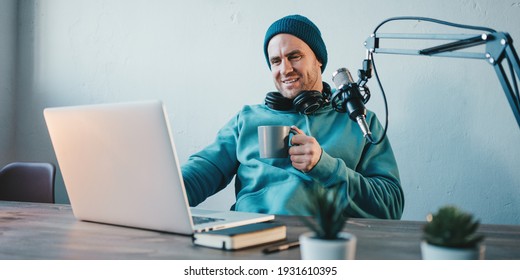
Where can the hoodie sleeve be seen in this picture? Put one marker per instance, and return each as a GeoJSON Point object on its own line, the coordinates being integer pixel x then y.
{"type": "Point", "coordinates": [212, 169]}
{"type": "Point", "coordinates": [373, 186]}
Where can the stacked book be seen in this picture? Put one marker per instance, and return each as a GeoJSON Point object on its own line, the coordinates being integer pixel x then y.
{"type": "Point", "coordinates": [242, 236]}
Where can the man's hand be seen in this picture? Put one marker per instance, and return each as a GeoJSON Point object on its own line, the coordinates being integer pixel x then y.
{"type": "Point", "coordinates": [305, 151]}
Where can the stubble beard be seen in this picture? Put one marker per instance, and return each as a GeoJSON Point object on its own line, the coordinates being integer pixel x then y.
{"type": "Point", "coordinates": [291, 92]}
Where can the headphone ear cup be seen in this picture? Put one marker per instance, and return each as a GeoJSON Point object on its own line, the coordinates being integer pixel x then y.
{"type": "Point", "coordinates": [327, 91]}
{"type": "Point", "coordinates": [308, 102]}
{"type": "Point", "coordinates": [276, 101]}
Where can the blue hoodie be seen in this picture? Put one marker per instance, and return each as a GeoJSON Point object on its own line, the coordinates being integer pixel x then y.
{"type": "Point", "coordinates": [368, 173]}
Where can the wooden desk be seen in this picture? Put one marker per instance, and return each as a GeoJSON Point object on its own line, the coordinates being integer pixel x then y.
{"type": "Point", "coordinates": [50, 231]}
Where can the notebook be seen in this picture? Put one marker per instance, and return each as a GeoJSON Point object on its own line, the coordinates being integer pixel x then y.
{"type": "Point", "coordinates": [241, 237]}
{"type": "Point", "coordinates": [120, 167]}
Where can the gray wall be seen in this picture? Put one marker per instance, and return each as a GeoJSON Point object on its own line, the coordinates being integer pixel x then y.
{"type": "Point", "coordinates": [7, 78]}
{"type": "Point", "coordinates": [454, 136]}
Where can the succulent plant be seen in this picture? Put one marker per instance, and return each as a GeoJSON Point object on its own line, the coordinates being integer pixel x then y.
{"type": "Point", "coordinates": [452, 227]}
{"type": "Point", "coordinates": [326, 207]}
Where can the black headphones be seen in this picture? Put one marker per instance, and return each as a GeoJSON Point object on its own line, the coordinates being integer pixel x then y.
{"type": "Point", "coordinates": [306, 102]}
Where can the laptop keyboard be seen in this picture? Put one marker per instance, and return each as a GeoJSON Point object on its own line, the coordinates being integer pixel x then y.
{"type": "Point", "coordinates": [197, 220]}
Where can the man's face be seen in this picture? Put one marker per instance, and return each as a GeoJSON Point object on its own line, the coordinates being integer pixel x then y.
{"type": "Point", "coordinates": [294, 65]}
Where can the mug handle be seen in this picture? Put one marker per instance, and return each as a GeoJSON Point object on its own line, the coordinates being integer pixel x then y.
{"type": "Point", "coordinates": [292, 132]}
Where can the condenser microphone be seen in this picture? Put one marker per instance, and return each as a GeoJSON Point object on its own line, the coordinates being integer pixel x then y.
{"type": "Point", "coordinates": [348, 99]}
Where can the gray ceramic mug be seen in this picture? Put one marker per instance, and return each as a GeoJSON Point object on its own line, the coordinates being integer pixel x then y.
{"type": "Point", "coordinates": [273, 141]}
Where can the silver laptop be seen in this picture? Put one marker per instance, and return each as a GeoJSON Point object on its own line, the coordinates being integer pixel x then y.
{"type": "Point", "coordinates": [120, 166]}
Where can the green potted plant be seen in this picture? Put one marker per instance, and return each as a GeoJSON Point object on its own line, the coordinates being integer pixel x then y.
{"type": "Point", "coordinates": [326, 209]}
{"type": "Point", "coordinates": [451, 234]}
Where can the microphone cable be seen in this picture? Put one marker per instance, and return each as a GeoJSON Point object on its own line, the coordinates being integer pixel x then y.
{"type": "Point", "coordinates": [371, 58]}
{"type": "Point", "coordinates": [438, 21]}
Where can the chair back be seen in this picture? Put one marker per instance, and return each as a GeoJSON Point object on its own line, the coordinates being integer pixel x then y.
{"type": "Point", "coordinates": [28, 182]}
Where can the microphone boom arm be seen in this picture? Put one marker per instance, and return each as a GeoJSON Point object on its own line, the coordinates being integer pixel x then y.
{"type": "Point", "coordinates": [499, 48]}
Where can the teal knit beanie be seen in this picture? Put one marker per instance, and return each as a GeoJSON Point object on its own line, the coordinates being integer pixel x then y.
{"type": "Point", "coordinates": [302, 28]}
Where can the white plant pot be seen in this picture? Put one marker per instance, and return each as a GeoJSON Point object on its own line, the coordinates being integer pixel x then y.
{"type": "Point", "coordinates": [343, 248]}
{"type": "Point", "coordinates": [434, 252]}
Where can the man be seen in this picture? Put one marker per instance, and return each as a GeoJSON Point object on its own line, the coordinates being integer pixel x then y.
{"type": "Point", "coordinates": [328, 150]}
